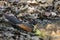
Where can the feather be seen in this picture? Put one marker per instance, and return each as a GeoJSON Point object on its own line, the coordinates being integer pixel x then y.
{"type": "Point", "coordinates": [11, 18]}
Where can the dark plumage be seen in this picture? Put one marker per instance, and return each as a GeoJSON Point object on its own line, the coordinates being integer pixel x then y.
{"type": "Point", "coordinates": [11, 18]}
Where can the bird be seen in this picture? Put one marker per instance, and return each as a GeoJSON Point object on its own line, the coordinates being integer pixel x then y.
{"type": "Point", "coordinates": [14, 20]}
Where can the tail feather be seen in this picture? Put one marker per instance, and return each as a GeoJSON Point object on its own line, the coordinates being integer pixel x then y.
{"type": "Point", "coordinates": [12, 19]}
